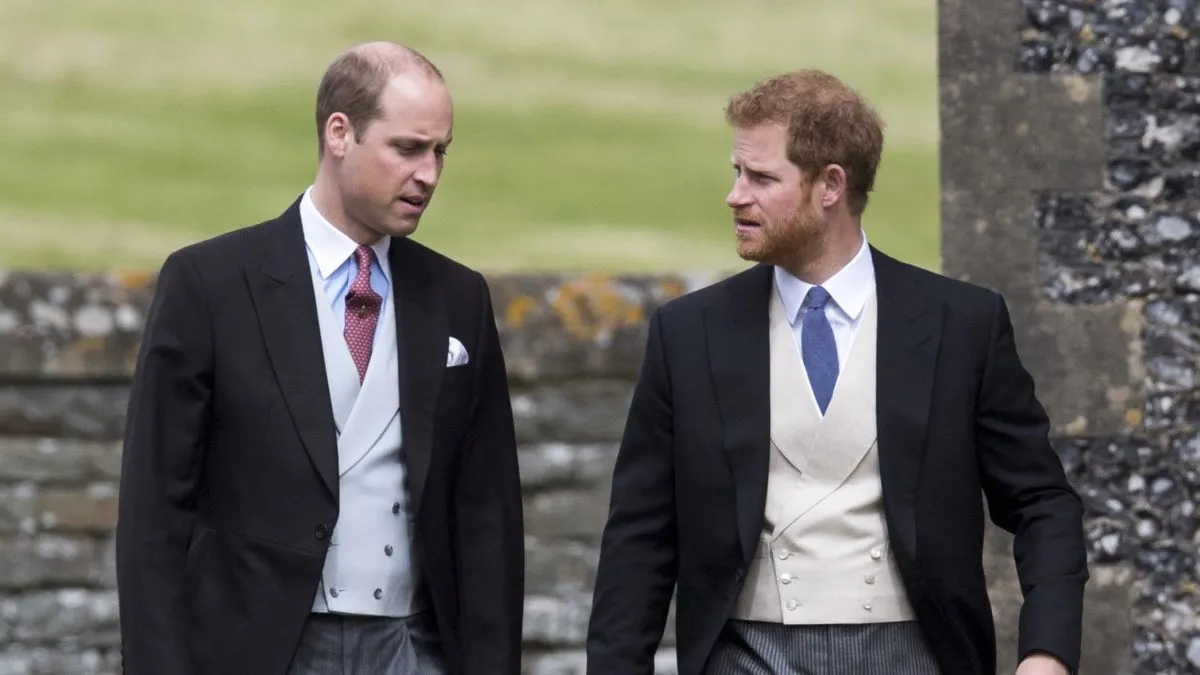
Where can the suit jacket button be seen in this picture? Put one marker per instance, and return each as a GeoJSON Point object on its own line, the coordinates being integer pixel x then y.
{"type": "Point", "coordinates": [322, 531]}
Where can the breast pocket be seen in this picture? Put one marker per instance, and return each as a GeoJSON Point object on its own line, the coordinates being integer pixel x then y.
{"type": "Point", "coordinates": [456, 391]}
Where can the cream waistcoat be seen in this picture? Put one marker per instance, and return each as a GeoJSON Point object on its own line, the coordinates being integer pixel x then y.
{"type": "Point", "coordinates": [823, 557]}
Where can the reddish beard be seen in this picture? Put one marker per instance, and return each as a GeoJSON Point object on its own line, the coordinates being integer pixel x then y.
{"type": "Point", "coordinates": [796, 238]}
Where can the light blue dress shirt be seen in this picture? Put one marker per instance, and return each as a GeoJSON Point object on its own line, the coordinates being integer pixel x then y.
{"type": "Point", "coordinates": [332, 253]}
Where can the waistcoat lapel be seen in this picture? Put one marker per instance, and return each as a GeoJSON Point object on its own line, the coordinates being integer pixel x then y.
{"type": "Point", "coordinates": [834, 446]}
{"type": "Point", "coordinates": [339, 367]}
{"type": "Point", "coordinates": [378, 401]}
{"type": "Point", "coordinates": [795, 418]}
{"type": "Point", "coordinates": [362, 412]}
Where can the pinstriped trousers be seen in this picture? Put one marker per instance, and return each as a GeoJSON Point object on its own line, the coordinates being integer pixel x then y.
{"type": "Point", "coordinates": [754, 648]}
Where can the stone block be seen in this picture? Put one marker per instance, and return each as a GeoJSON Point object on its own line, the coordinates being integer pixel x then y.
{"type": "Point", "coordinates": [560, 465]}
{"type": "Point", "coordinates": [561, 620]}
{"type": "Point", "coordinates": [71, 325]}
{"type": "Point", "coordinates": [88, 509]}
{"type": "Point", "coordinates": [106, 570]}
{"type": "Point", "coordinates": [56, 660]}
{"type": "Point", "coordinates": [989, 239]}
{"type": "Point", "coordinates": [55, 409]}
{"type": "Point", "coordinates": [566, 326]}
{"type": "Point", "coordinates": [556, 621]}
{"type": "Point", "coordinates": [58, 460]}
{"type": "Point", "coordinates": [18, 508]}
{"type": "Point", "coordinates": [573, 514]}
{"type": "Point", "coordinates": [557, 567]}
{"type": "Point", "coordinates": [994, 140]}
{"type": "Point", "coordinates": [1087, 362]}
{"type": "Point", "coordinates": [73, 617]}
{"type": "Point", "coordinates": [571, 411]}
{"type": "Point", "coordinates": [48, 560]}
{"type": "Point", "coordinates": [976, 36]}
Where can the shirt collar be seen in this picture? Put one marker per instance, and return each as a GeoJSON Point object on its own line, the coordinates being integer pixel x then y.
{"type": "Point", "coordinates": [329, 245]}
{"type": "Point", "coordinates": [849, 289]}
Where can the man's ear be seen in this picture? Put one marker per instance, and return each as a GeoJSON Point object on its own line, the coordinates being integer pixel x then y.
{"type": "Point", "coordinates": [833, 180]}
{"type": "Point", "coordinates": [338, 134]}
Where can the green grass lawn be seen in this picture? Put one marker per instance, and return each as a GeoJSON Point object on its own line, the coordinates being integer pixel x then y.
{"type": "Point", "coordinates": [588, 135]}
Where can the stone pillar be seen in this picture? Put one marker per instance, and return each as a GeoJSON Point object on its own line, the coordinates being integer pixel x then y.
{"type": "Point", "coordinates": [1070, 140]}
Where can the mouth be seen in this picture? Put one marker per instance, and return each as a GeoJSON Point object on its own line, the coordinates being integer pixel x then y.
{"type": "Point", "coordinates": [745, 224]}
{"type": "Point", "coordinates": [414, 202]}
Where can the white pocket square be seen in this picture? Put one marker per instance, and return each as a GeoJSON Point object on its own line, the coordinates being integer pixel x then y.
{"type": "Point", "coordinates": [456, 354]}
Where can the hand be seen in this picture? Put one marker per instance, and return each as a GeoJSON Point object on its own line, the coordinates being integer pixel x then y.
{"type": "Point", "coordinates": [1041, 664]}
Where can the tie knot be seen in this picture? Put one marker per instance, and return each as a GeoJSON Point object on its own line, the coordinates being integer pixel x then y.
{"type": "Point", "coordinates": [363, 256]}
{"type": "Point", "coordinates": [817, 297]}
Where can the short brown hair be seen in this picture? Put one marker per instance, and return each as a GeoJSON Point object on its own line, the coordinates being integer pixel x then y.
{"type": "Point", "coordinates": [827, 122]}
{"type": "Point", "coordinates": [353, 82]}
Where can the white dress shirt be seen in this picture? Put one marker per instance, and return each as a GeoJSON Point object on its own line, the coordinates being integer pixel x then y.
{"type": "Point", "coordinates": [849, 289]}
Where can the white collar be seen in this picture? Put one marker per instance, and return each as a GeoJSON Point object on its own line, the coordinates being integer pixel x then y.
{"type": "Point", "coordinates": [849, 288]}
{"type": "Point", "coordinates": [330, 246]}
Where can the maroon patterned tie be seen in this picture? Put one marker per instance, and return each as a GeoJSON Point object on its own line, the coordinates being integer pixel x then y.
{"type": "Point", "coordinates": [362, 312]}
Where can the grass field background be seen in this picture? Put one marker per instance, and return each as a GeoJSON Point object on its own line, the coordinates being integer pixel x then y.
{"type": "Point", "coordinates": [588, 135]}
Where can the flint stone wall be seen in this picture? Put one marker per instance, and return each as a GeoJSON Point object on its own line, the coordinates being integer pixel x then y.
{"type": "Point", "coordinates": [1071, 182]}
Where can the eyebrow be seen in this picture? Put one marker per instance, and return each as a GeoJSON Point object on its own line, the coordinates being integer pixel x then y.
{"type": "Point", "coordinates": [760, 172]}
{"type": "Point", "coordinates": [420, 140]}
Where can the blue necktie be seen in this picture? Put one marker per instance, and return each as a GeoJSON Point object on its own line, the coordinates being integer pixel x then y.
{"type": "Point", "coordinates": [818, 348]}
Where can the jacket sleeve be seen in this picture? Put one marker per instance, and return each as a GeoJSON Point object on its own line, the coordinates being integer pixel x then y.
{"type": "Point", "coordinates": [1029, 496]}
{"type": "Point", "coordinates": [160, 471]}
{"type": "Point", "coordinates": [489, 518]}
{"type": "Point", "coordinates": [638, 565]}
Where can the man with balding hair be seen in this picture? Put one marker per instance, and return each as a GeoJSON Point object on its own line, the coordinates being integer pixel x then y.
{"type": "Point", "coordinates": [811, 442]}
{"type": "Point", "coordinates": [320, 470]}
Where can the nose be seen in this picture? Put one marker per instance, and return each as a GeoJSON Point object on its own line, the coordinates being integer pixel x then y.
{"type": "Point", "coordinates": [428, 169]}
{"type": "Point", "coordinates": [738, 196]}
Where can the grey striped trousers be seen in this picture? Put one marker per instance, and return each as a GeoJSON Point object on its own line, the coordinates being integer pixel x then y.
{"type": "Point", "coordinates": [334, 644]}
{"type": "Point", "coordinates": [753, 648]}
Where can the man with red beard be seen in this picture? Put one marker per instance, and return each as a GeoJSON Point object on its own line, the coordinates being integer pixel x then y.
{"type": "Point", "coordinates": [809, 440]}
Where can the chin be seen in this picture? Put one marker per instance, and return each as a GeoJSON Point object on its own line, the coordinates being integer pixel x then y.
{"type": "Point", "coordinates": [400, 229]}
{"type": "Point", "coordinates": [750, 251]}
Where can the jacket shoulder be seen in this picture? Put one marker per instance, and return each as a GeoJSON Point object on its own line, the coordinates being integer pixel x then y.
{"type": "Point", "coordinates": [718, 293]}
{"type": "Point", "coordinates": [437, 262]}
{"type": "Point", "coordinates": [235, 245]}
{"type": "Point", "coordinates": [975, 302]}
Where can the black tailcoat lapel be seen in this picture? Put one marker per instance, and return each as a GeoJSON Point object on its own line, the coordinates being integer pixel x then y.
{"type": "Point", "coordinates": [422, 332]}
{"type": "Point", "coordinates": [286, 305]}
{"type": "Point", "coordinates": [740, 359]}
{"type": "Point", "coordinates": [910, 324]}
